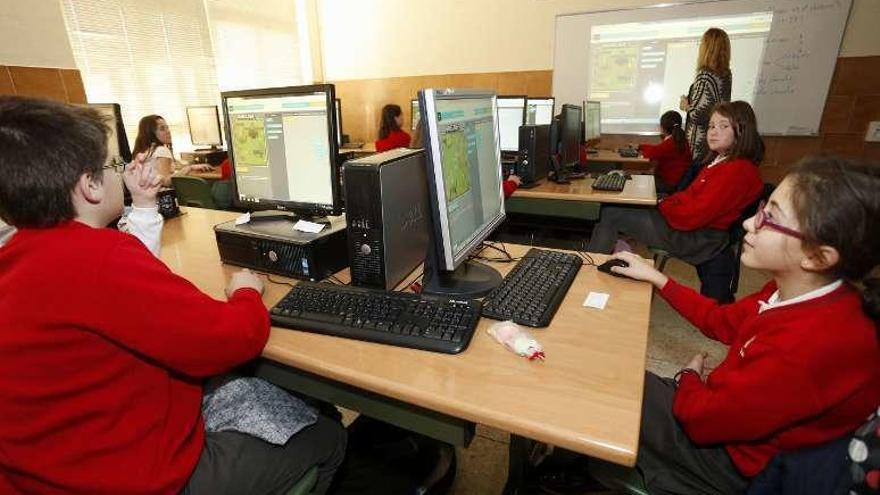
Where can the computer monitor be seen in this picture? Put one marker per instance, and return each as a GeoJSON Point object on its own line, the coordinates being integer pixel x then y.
{"type": "Point", "coordinates": [282, 147]}
{"type": "Point", "coordinates": [569, 135]}
{"type": "Point", "coordinates": [414, 114]}
{"type": "Point", "coordinates": [117, 141]}
{"type": "Point", "coordinates": [511, 115]}
{"type": "Point", "coordinates": [592, 120]}
{"type": "Point", "coordinates": [463, 162]}
{"type": "Point", "coordinates": [540, 111]}
{"type": "Point", "coordinates": [204, 126]}
{"type": "Point", "coordinates": [338, 106]}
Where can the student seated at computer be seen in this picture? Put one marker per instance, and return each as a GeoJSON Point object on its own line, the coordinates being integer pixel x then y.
{"type": "Point", "coordinates": [803, 365]}
{"type": "Point", "coordinates": [672, 156]}
{"type": "Point", "coordinates": [104, 348]}
{"type": "Point", "coordinates": [154, 139]}
{"type": "Point", "coordinates": [391, 134]}
{"type": "Point", "coordinates": [692, 225]}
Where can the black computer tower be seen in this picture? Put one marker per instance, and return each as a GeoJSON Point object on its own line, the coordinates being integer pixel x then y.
{"type": "Point", "coordinates": [386, 201]}
{"type": "Point", "coordinates": [533, 161]}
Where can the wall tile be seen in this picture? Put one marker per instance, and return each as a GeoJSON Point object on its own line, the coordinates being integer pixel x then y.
{"type": "Point", "coordinates": [856, 76]}
{"type": "Point", "coordinates": [866, 109]}
{"type": "Point", "coordinates": [38, 82]}
{"type": "Point", "coordinates": [792, 149]}
{"type": "Point", "coordinates": [843, 144]}
{"type": "Point", "coordinates": [6, 86]}
{"type": "Point", "coordinates": [837, 114]}
{"type": "Point", "coordinates": [73, 86]}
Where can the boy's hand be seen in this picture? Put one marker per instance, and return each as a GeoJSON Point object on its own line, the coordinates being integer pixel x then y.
{"type": "Point", "coordinates": [515, 178]}
{"type": "Point", "coordinates": [698, 362]}
{"type": "Point", "coordinates": [244, 279]}
{"type": "Point", "coordinates": [639, 268]}
{"type": "Point", "coordinates": [142, 182]}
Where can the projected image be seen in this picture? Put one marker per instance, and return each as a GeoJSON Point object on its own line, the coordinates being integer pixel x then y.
{"type": "Point", "coordinates": [639, 70]}
{"type": "Point", "coordinates": [249, 140]}
{"type": "Point", "coordinates": [456, 176]}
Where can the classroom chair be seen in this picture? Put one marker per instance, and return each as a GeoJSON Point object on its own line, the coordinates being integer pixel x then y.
{"type": "Point", "coordinates": [305, 484]}
{"type": "Point", "coordinates": [193, 191]}
{"type": "Point", "coordinates": [221, 191]}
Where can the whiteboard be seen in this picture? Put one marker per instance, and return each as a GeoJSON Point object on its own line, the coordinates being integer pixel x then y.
{"type": "Point", "coordinates": [793, 69]}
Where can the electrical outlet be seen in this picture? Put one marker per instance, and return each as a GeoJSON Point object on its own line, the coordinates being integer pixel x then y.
{"type": "Point", "coordinates": [873, 134]}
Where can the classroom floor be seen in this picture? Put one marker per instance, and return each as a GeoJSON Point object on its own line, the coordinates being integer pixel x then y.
{"type": "Point", "coordinates": [482, 467]}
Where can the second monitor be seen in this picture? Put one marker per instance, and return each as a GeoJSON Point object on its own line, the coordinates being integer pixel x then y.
{"type": "Point", "coordinates": [511, 115]}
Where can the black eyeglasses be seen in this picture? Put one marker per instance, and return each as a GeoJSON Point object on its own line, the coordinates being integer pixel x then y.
{"type": "Point", "coordinates": [118, 167]}
{"type": "Point", "coordinates": [763, 219]}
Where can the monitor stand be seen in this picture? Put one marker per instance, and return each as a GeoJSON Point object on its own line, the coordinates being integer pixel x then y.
{"type": "Point", "coordinates": [272, 215]}
{"type": "Point", "coordinates": [556, 173]}
{"type": "Point", "coordinates": [470, 280]}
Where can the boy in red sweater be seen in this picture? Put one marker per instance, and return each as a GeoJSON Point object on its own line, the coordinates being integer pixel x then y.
{"type": "Point", "coordinates": [102, 348]}
{"type": "Point", "coordinates": [692, 224]}
{"type": "Point", "coordinates": [672, 156]}
{"type": "Point", "coordinates": [804, 362]}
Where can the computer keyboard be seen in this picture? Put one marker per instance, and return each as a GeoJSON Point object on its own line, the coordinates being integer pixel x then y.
{"type": "Point", "coordinates": [531, 293]}
{"type": "Point", "coordinates": [628, 152]}
{"type": "Point", "coordinates": [429, 323]}
{"type": "Point", "coordinates": [609, 182]}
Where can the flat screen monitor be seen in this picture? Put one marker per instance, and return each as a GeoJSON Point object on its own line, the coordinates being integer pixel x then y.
{"type": "Point", "coordinates": [282, 147]}
{"type": "Point", "coordinates": [338, 105]}
{"type": "Point", "coordinates": [415, 117]}
{"type": "Point", "coordinates": [117, 141]}
{"type": "Point", "coordinates": [592, 120]}
{"type": "Point", "coordinates": [540, 111]}
{"type": "Point", "coordinates": [204, 125]}
{"type": "Point", "coordinates": [463, 162]}
{"type": "Point", "coordinates": [511, 115]}
{"type": "Point", "coordinates": [570, 135]}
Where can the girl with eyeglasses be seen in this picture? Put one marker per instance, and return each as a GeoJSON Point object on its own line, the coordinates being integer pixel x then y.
{"type": "Point", "coordinates": [803, 367]}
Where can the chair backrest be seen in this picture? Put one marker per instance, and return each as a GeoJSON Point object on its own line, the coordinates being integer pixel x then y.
{"type": "Point", "coordinates": [737, 232]}
{"type": "Point", "coordinates": [221, 191]}
{"type": "Point", "coordinates": [193, 191]}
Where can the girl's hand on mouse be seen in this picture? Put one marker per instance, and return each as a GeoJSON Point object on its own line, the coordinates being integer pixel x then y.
{"type": "Point", "coordinates": [639, 268]}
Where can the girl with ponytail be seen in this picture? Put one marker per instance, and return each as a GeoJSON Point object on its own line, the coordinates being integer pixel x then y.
{"type": "Point", "coordinates": [672, 156]}
{"type": "Point", "coordinates": [803, 367]}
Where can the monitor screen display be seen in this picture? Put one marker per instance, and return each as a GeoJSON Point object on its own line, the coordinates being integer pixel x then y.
{"type": "Point", "coordinates": [414, 114]}
{"type": "Point", "coordinates": [338, 105]}
{"type": "Point", "coordinates": [511, 115]}
{"type": "Point", "coordinates": [539, 111]}
{"type": "Point", "coordinates": [204, 125]}
{"type": "Point", "coordinates": [282, 147]}
{"type": "Point", "coordinates": [465, 174]}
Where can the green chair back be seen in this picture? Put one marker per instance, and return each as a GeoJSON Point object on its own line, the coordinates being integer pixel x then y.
{"type": "Point", "coordinates": [193, 191]}
{"type": "Point", "coordinates": [221, 190]}
{"type": "Point", "coordinates": [305, 484]}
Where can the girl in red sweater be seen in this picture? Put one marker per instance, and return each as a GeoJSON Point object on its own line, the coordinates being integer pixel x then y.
{"type": "Point", "coordinates": [672, 156]}
{"type": "Point", "coordinates": [803, 367]}
{"type": "Point", "coordinates": [692, 224]}
{"type": "Point", "coordinates": [390, 133]}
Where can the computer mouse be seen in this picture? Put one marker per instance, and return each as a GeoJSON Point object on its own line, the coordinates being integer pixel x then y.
{"type": "Point", "coordinates": [606, 267]}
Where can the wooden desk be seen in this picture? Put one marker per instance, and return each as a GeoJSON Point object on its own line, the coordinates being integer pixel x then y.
{"type": "Point", "coordinates": [367, 148]}
{"type": "Point", "coordinates": [585, 397]}
{"type": "Point", "coordinates": [209, 175]}
{"type": "Point", "coordinates": [638, 191]}
{"type": "Point", "coordinates": [614, 156]}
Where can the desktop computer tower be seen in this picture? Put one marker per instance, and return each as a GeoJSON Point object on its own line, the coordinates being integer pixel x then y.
{"type": "Point", "coordinates": [533, 161]}
{"type": "Point", "coordinates": [386, 202]}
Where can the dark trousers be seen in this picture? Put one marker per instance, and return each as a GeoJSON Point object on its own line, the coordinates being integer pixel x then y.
{"type": "Point", "coordinates": [648, 226]}
{"type": "Point", "coordinates": [235, 463]}
{"type": "Point", "coordinates": [669, 461]}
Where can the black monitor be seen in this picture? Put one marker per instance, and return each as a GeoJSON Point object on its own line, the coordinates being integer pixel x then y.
{"type": "Point", "coordinates": [592, 120]}
{"type": "Point", "coordinates": [338, 105]}
{"type": "Point", "coordinates": [463, 162]}
{"type": "Point", "coordinates": [204, 126]}
{"type": "Point", "coordinates": [511, 115]}
{"type": "Point", "coordinates": [540, 110]}
{"type": "Point", "coordinates": [282, 147]}
{"type": "Point", "coordinates": [414, 114]}
{"type": "Point", "coordinates": [569, 135]}
{"type": "Point", "coordinates": [117, 141]}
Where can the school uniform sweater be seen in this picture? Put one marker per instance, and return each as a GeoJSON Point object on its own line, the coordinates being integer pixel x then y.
{"type": "Point", "coordinates": [671, 162]}
{"type": "Point", "coordinates": [509, 188]}
{"type": "Point", "coordinates": [795, 376]}
{"type": "Point", "coordinates": [395, 139]}
{"type": "Point", "coordinates": [716, 197]}
{"type": "Point", "coordinates": [102, 352]}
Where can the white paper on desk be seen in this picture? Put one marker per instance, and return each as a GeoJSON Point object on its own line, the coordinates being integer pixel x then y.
{"type": "Point", "coordinates": [596, 300]}
{"type": "Point", "coordinates": [243, 219]}
{"type": "Point", "coordinates": [310, 227]}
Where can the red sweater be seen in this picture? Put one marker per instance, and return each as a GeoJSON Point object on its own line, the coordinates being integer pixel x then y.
{"type": "Point", "coordinates": [795, 376]}
{"type": "Point", "coordinates": [671, 163]}
{"type": "Point", "coordinates": [397, 139]}
{"type": "Point", "coordinates": [716, 197]}
{"type": "Point", "coordinates": [101, 353]}
{"type": "Point", "coordinates": [509, 187]}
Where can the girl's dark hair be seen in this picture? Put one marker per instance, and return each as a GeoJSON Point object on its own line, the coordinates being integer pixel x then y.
{"type": "Point", "coordinates": [837, 204]}
{"type": "Point", "coordinates": [147, 134]}
{"type": "Point", "coordinates": [388, 124]}
{"type": "Point", "coordinates": [747, 143]}
{"type": "Point", "coordinates": [670, 122]}
{"type": "Point", "coordinates": [45, 147]}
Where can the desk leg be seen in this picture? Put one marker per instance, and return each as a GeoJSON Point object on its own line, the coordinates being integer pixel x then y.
{"type": "Point", "coordinates": [519, 451]}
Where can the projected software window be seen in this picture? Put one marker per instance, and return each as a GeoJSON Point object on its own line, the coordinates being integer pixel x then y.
{"type": "Point", "coordinates": [539, 112]}
{"type": "Point", "coordinates": [639, 70]}
{"type": "Point", "coordinates": [510, 117]}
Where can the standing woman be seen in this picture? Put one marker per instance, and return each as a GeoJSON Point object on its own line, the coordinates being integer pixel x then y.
{"type": "Point", "coordinates": [154, 139]}
{"type": "Point", "coordinates": [390, 133]}
{"type": "Point", "coordinates": [711, 86]}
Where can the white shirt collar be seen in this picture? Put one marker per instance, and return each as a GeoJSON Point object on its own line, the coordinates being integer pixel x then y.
{"type": "Point", "coordinates": [718, 159]}
{"type": "Point", "coordinates": [774, 302]}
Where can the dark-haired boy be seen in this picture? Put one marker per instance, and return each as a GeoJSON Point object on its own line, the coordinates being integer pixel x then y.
{"type": "Point", "coordinates": [102, 348]}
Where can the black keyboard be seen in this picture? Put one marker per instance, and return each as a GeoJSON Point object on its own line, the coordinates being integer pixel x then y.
{"type": "Point", "coordinates": [429, 323]}
{"type": "Point", "coordinates": [609, 182]}
{"type": "Point", "coordinates": [531, 293]}
{"type": "Point", "coordinates": [628, 152]}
